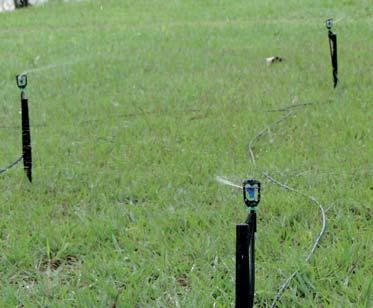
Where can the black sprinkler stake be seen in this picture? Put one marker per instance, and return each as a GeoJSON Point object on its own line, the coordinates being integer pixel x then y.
{"type": "Point", "coordinates": [245, 247]}
{"type": "Point", "coordinates": [26, 135]}
{"type": "Point", "coordinates": [333, 50]}
{"type": "Point", "coordinates": [242, 266]}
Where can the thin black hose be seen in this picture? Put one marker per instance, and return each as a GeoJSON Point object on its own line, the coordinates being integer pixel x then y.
{"type": "Point", "coordinates": [13, 164]}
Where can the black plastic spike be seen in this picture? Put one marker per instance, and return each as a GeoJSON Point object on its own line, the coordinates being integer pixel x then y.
{"type": "Point", "coordinates": [333, 50]}
{"type": "Point", "coordinates": [242, 266]}
{"type": "Point", "coordinates": [26, 138]}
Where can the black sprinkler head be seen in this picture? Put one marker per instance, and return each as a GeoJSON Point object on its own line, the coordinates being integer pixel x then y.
{"type": "Point", "coordinates": [251, 193]}
{"type": "Point", "coordinates": [329, 23]}
{"type": "Point", "coordinates": [21, 81]}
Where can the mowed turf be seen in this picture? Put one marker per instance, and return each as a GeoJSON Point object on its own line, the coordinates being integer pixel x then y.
{"type": "Point", "coordinates": [137, 106]}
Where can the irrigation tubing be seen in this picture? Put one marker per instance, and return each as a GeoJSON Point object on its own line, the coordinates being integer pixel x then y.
{"type": "Point", "coordinates": [264, 132]}
{"type": "Point", "coordinates": [272, 180]}
{"type": "Point", "coordinates": [293, 106]}
{"type": "Point", "coordinates": [285, 285]}
{"type": "Point", "coordinates": [13, 164]}
{"type": "Point", "coordinates": [316, 243]}
{"type": "Point", "coordinates": [299, 173]}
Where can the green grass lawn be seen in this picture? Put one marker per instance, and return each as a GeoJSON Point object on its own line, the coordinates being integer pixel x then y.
{"type": "Point", "coordinates": [136, 108]}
